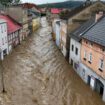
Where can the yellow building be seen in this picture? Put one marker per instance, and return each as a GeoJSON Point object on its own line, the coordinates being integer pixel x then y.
{"type": "Point", "coordinates": [36, 24]}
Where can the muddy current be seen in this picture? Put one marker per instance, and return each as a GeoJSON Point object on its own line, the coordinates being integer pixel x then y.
{"type": "Point", "coordinates": [36, 73]}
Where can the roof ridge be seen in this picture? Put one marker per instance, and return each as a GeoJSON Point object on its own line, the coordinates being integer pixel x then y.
{"type": "Point", "coordinates": [88, 28]}
{"type": "Point", "coordinates": [93, 24]}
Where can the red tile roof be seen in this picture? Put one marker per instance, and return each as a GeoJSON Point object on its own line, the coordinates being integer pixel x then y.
{"type": "Point", "coordinates": [55, 11]}
{"type": "Point", "coordinates": [11, 24]}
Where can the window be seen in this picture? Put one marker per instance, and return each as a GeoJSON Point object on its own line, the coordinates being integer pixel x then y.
{"type": "Point", "coordinates": [101, 64]}
{"type": "Point", "coordinates": [2, 41]}
{"type": "Point", "coordinates": [85, 55]}
{"type": "Point", "coordinates": [9, 37]}
{"type": "Point", "coordinates": [5, 39]}
{"type": "Point", "coordinates": [103, 49]}
{"type": "Point", "coordinates": [76, 51]}
{"type": "Point", "coordinates": [90, 58]}
{"type": "Point", "coordinates": [91, 44]}
{"type": "Point", "coordinates": [5, 28]}
{"type": "Point", "coordinates": [83, 73]}
{"type": "Point", "coordinates": [75, 66]}
{"type": "Point", "coordinates": [86, 42]}
{"type": "Point", "coordinates": [72, 62]}
{"type": "Point", "coordinates": [1, 29]}
{"type": "Point", "coordinates": [72, 47]}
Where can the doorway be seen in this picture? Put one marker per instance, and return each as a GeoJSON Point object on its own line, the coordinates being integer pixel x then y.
{"type": "Point", "coordinates": [89, 78]}
{"type": "Point", "coordinates": [99, 87]}
{"type": "Point", "coordinates": [71, 62]}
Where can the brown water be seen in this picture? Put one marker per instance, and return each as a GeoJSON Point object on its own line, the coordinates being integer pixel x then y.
{"type": "Point", "coordinates": [36, 73]}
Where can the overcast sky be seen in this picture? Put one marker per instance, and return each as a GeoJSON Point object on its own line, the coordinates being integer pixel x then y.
{"type": "Point", "coordinates": [42, 1]}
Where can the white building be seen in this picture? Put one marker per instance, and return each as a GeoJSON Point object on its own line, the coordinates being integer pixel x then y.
{"type": "Point", "coordinates": [75, 47]}
{"type": "Point", "coordinates": [57, 33]}
{"type": "Point", "coordinates": [3, 39]}
{"type": "Point", "coordinates": [56, 30]}
{"type": "Point", "coordinates": [74, 57]}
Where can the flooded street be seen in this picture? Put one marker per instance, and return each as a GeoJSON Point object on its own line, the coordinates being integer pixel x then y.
{"type": "Point", "coordinates": [36, 73]}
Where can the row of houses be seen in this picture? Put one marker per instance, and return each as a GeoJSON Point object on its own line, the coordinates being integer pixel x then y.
{"type": "Point", "coordinates": [80, 35]}
{"type": "Point", "coordinates": [16, 23]}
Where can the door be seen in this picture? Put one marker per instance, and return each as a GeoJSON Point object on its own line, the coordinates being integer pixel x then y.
{"type": "Point", "coordinates": [99, 87]}
{"type": "Point", "coordinates": [71, 62]}
{"type": "Point", "coordinates": [101, 91]}
{"type": "Point", "coordinates": [89, 78]}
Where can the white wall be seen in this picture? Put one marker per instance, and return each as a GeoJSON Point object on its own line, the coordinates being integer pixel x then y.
{"type": "Point", "coordinates": [57, 35]}
{"type": "Point", "coordinates": [54, 25]}
{"type": "Point", "coordinates": [3, 37]}
{"type": "Point", "coordinates": [73, 56]}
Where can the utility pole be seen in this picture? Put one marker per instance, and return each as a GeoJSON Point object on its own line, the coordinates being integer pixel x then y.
{"type": "Point", "coordinates": [2, 74]}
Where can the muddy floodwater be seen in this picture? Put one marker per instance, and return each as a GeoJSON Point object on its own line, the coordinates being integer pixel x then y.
{"type": "Point", "coordinates": [36, 73]}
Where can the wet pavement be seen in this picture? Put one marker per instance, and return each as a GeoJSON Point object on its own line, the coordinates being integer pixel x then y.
{"type": "Point", "coordinates": [36, 73]}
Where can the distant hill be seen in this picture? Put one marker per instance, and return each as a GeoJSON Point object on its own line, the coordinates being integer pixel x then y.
{"type": "Point", "coordinates": [66, 4]}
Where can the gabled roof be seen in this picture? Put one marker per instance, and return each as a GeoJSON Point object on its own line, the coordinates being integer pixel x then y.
{"type": "Point", "coordinates": [55, 11]}
{"type": "Point", "coordinates": [97, 32]}
{"type": "Point", "coordinates": [11, 24]}
{"type": "Point", "coordinates": [77, 34]}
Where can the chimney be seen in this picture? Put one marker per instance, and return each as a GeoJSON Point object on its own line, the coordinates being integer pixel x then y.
{"type": "Point", "coordinates": [98, 15]}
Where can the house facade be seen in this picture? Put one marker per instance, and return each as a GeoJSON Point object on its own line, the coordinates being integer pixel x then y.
{"type": "Point", "coordinates": [54, 14]}
{"type": "Point", "coordinates": [21, 17]}
{"type": "Point", "coordinates": [54, 30]}
{"type": "Point", "coordinates": [33, 16]}
{"type": "Point", "coordinates": [57, 33]}
{"type": "Point", "coordinates": [93, 57]}
{"type": "Point", "coordinates": [13, 32]}
{"type": "Point", "coordinates": [35, 23]}
{"type": "Point", "coordinates": [63, 37]}
{"type": "Point", "coordinates": [1, 8]}
{"type": "Point", "coordinates": [3, 39]}
{"type": "Point", "coordinates": [30, 18]}
{"type": "Point", "coordinates": [93, 72]}
{"type": "Point", "coordinates": [75, 45]}
{"type": "Point", "coordinates": [74, 58]}
{"type": "Point", "coordinates": [75, 18]}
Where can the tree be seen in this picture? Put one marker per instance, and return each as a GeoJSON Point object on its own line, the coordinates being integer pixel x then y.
{"type": "Point", "coordinates": [9, 2]}
{"type": "Point", "coordinates": [15, 1]}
